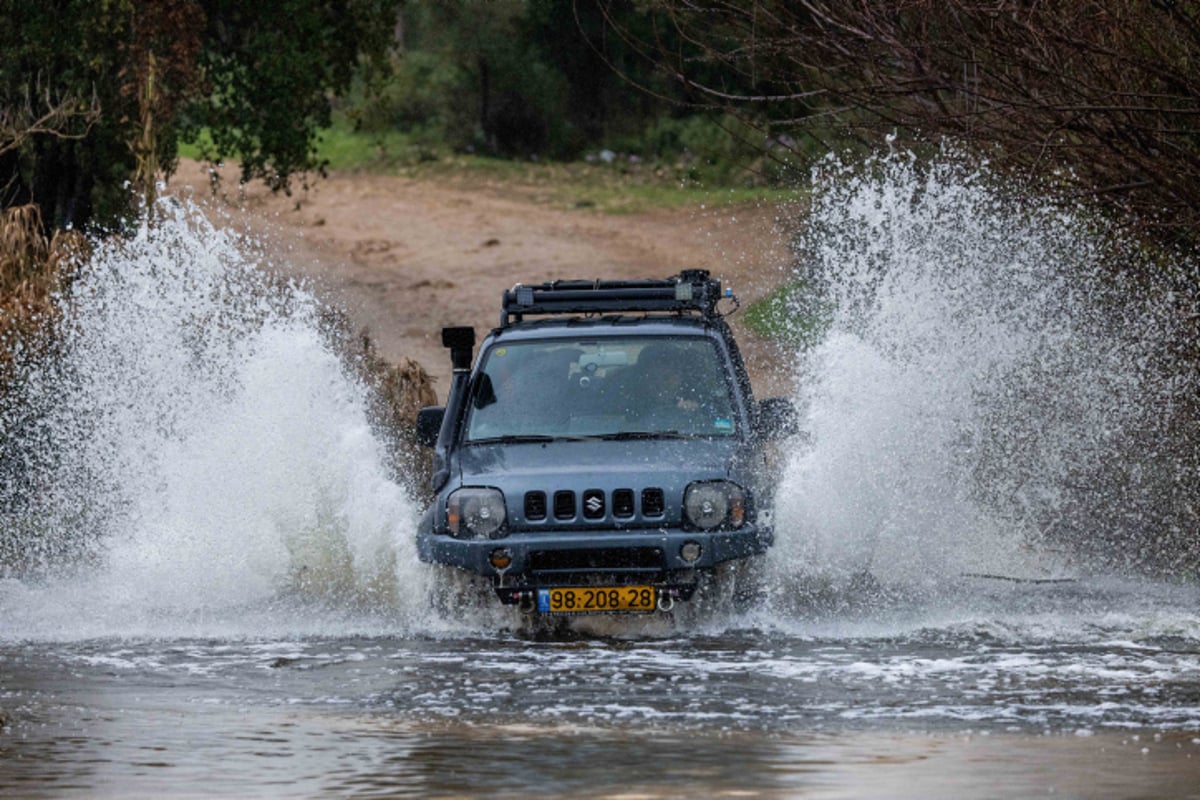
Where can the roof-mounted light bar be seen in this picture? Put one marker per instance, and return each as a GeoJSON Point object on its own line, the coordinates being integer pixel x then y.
{"type": "Point", "coordinates": [690, 291]}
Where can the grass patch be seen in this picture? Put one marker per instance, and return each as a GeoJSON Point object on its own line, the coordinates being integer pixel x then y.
{"type": "Point", "coordinates": [788, 315]}
{"type": "Point", "coordinates": [624, 186]}
{"type": "Point", "coordinates": [346, 150]}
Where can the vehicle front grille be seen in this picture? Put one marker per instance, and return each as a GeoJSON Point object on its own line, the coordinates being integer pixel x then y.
{"type": "Point", "coordinates": [535, 505]}
{"type": "Point", "coordinates": [619, 508]}
{"type": "Point", "coordinates": [622, 503]}
{"type": "Point", "coordinates": [653, 504]}
{"type": "Point", "coordinates": [564, 505]}
{"type": "Point", "coordinates": [593, 504]}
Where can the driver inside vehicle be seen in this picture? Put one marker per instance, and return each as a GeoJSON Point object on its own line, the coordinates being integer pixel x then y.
{"type": "Point", "coordinates": [671, 392]}
{"type": "Point", "coordinates": [520, 392]}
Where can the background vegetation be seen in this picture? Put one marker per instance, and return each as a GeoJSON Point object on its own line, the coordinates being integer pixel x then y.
{"type": "Point", "coordinates": [547, 79]}
{"type": "Point", "coordinates": [98, 94]}
{"type": "Point", "coordinates": [1098, 99]}
{"type": "Point", "coordinates": [1095, 101]}
{"type": "Point", "coordinates": [88, 108]}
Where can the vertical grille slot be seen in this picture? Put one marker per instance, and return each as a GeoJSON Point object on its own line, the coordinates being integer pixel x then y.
{"type": "Point", "coordinates": [652, 503]}
{"type": "Point", "coordinates": [535, 505]}
{"type": "Point", "coordinates": [622, 503]}
{"type": "Point", "coordinates": [564, 505]}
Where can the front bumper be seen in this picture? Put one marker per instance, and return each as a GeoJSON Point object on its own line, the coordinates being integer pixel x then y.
{"type": "Point", "coordinates": [549, 558]}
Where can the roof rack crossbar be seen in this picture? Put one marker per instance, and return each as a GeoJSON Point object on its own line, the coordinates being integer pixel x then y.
{"type": "Point", "coordinates": [690, 291]}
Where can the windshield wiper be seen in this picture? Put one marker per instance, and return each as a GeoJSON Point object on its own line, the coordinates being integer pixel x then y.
{"type": "Point", "coordinates": [513, 438]}
{"type": "Point", "coordinates": [628, 435]}
{"type": "Point", "coordinates": [536, 438]}
{"type": "Point", "coordinates": [527, 438]}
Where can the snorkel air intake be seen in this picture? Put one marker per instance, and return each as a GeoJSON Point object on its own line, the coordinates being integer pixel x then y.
{"type": "Point", "coordinates": [461, 343]}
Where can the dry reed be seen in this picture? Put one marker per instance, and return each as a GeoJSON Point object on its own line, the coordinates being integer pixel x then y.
{"type": "Point", "coordinates": [34, 269]}
{"type": "Point", "coordinates": [396, 392]}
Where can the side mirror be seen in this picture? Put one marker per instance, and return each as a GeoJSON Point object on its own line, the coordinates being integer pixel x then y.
{"type": "Point", "coordinates": [776, 418]}
{"type": "Point", "coordinates": [429, 424]}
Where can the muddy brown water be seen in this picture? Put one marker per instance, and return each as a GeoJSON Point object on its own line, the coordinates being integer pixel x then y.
{"type": "Point", "coordinates": [1088, 689]}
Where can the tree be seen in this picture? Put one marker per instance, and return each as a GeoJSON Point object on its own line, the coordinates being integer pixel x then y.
{"type": "Point", "coordinates": [468, 75]}
{"type": "Point", "coordinates": [75, 168]}
{"type": "Point", "coordinates": [1106, 90]}
{"type": "Point", "coordinates": [43, 114]}
{"type": "Point", "coordinates": [272, 71]}
{"type": "Point", "coordinates": [125, 80]}
{"type": "Point", "coordinates": [521, 77]}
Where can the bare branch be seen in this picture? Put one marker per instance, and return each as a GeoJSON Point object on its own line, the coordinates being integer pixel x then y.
{"type": "Point", "coordinates": [1108, 88]}
{"type": "Point", "coordinates": [67, 117]}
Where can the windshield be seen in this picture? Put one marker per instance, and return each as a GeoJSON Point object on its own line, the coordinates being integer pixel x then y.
{"type": "Point", "coordinates": [614, 388]}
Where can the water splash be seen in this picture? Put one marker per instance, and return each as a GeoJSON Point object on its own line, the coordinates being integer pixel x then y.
{"type": "Point", "coordinates": [199, 448]}
{"type": "Point", "coordinates": [983, 360]}
{"type": "Point", "coordinates": [201, 461]}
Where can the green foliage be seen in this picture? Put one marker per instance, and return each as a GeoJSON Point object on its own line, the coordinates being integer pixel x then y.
{"type": "Point", "coordinates": [248, 80]}
{"type": "Point", "coordinates": [545, 79]}
{"type": "Point", "coordinates": [415, 101]}
{"type": "Point", "coordinates": [711, 149]}
{"type": "Point", "coordinates": [788, 315]}
{"type": "Point", "coordinates": [470, 77]}
{"type": "Point", "coordinates": [618, 188]}
{"type": "Point", "coordinates": [272, 69]}
{"type": "Point", "coordinates": [388, 151]}
{"type": "Point", "coordinates": [293, 86]}
{"type": "Point", "coordinates": [74, 170]}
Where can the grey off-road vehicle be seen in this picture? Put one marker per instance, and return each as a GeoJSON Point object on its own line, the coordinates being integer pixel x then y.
{"type": "Point", "coordinates": [604, 457]}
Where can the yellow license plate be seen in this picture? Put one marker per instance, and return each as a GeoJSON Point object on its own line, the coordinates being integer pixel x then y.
{"type": "Point", "coordinates": [596, 599]}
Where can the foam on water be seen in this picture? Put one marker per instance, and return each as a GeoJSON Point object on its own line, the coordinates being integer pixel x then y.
{"type": "Point", "coordinates": [201, 450]}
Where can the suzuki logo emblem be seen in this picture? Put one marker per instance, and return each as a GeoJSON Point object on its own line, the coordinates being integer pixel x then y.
{"type": "Point", "coordinates": [594, 504]}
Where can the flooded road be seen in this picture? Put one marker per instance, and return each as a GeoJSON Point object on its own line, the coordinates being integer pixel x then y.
{"type": "Point", "coordinates": [209, 584]}
{"type": "Point", "coordinates": [1077, 690]}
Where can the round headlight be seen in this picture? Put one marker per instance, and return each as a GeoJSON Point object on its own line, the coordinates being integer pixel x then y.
{"type": "Point", "coordinates": [710, 505]}
{"type": "Point", "coordinates": [476, 513]}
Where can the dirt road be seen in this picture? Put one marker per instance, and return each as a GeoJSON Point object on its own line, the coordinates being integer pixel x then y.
{"type": "Point", "coordinates": [405, 257]}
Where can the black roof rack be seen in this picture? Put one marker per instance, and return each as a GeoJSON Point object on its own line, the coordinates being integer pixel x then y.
{"type": "Point", "coordinates": [690, 291]}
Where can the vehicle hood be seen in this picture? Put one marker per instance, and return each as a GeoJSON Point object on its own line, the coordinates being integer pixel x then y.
{"type": "Point", "coordinates": [707, 458]}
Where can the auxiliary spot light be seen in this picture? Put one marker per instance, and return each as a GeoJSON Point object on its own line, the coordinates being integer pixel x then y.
{"type": "Point", "coordinates": [500, 558]}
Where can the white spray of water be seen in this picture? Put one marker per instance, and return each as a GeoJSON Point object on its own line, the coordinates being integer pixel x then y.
{"type": "Point", "coordinates": [211, 451]}
{"type": "Point", "coordinates": [967, 373]}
